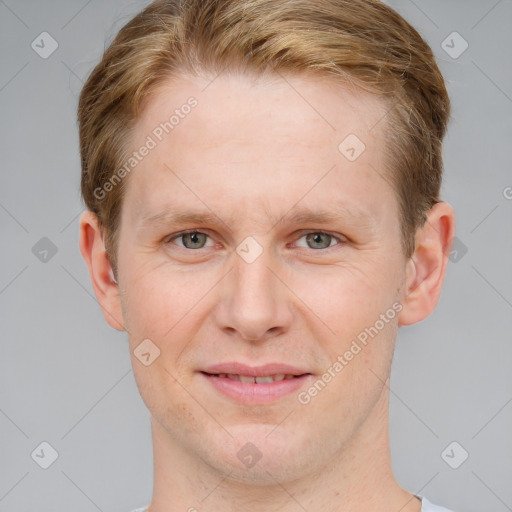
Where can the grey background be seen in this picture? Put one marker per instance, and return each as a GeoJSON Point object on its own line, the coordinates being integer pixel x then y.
{"type": "Point", "coordinates": [65, 375]}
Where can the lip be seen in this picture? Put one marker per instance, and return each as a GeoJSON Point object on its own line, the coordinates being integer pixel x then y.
{"type": "Point", "coordinates": [248, 393]}
{"type": "Point", "coordinates": [255, 371]}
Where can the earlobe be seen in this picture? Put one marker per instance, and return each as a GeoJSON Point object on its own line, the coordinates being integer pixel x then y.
{"type": "Point", "coordinates": [426, 268]}
{"type": "Point", "coordinates": [104, 284]}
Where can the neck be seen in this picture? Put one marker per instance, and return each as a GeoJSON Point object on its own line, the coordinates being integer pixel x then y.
{"type": "Point", "coordinates": [358, 477]}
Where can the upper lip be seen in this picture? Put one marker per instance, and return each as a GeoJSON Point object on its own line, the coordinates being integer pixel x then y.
{"type": "Point", "coordinates": [254, 371]}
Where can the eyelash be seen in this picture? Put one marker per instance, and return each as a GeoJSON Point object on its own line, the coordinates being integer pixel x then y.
{"type": "Point", "coordinates": [340, 241]}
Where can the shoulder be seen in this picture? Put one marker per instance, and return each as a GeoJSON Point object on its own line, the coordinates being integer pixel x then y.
{"type": "Point", "coordinates": [426, 506]}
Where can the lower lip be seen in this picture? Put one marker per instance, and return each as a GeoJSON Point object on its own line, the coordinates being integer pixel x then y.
{"type": "Point", "coordinates": [255, 394]}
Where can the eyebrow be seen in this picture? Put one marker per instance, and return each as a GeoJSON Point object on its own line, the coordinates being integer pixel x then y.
{"type": "Point", "coordinates": [303, 215]}
{"type": "Point", "coordinates": [168, 217]}
{"type": "Point", "coordinates": [306, 215]}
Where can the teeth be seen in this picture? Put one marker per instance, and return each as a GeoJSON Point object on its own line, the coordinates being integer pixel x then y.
{"type": "Point", "coordinates": [258, 380]}
{"type": "Point", "coordinates": [261, 380]}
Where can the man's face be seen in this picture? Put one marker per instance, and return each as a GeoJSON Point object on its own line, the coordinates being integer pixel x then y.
{"type": "Point", "coordinates": [264, 280]}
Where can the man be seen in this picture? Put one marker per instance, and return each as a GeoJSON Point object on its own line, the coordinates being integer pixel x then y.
{"type": "Point", "coordinates": [262, 183]}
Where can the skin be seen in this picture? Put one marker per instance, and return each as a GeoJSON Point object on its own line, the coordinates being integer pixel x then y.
{"type": "Point", "coordinates": [252, 153]}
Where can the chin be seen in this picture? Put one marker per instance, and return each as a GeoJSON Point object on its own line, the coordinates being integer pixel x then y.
{"type": "Point", "coordinates": [262, 454]}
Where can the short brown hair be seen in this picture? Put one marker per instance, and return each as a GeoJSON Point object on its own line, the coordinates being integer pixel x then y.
{"type": "Point", "coordinates": [364, 40]}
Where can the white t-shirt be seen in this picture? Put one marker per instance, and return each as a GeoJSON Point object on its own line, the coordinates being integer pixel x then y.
{"type": "Point", "coordinates": [426, 506]}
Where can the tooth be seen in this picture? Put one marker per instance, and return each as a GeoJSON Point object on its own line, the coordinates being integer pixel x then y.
{"type": "Point", "coordinates": [281, 376]}
{"type": "Point", "coordinates": [246, 378]}
{"type": "Point", "coordinates": [222, 375]}
{"type": "Point", "coordinates": [233, 376]}
{"type": "Point", "coordinates": [290, 377]}
{"type": "Point", "coordinates": [262, 380]}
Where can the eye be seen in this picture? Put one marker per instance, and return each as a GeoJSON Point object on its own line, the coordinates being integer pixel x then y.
{"type": "Point", "coordinates": [319, 240]}
{"type": "Point", "coordinates": [198, 240]}
{"type": "Point", "coordinates": [190, 240]}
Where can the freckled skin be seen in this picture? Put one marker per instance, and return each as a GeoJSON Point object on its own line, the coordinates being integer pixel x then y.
{"type": "Point", "coordinates": [253, 153]}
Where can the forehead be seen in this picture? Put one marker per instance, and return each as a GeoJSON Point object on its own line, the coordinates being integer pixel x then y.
{"type": "Point", "coordinates": [237, 135]}
{"type": "Point", "coordinates": [310, 109]}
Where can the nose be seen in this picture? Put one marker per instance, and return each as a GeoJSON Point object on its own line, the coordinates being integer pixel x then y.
{"type": "Point", "coordinates": [254, 302]}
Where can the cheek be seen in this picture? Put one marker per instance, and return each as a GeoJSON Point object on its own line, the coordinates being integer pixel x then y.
{"type": "Point", "coordinates": [354, 378]}
{"type": "Point", "coordinates": [356, 308]}
{"type": "Point", "coordinates": [161, 306]}
{"type": "Point", "coordinates": [167, 400]}
{"type": "Point", "coordinates": [347, 299]}
{"type": "Point", "coordinates": [158, 301]}
{"type": "Point", "coordinates": [167, 306]}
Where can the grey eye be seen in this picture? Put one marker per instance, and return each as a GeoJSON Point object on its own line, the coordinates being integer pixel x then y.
{"type": "Point", "coordinates": [193, 240]}
{"type": "Point", "coordinates": [318, 240]}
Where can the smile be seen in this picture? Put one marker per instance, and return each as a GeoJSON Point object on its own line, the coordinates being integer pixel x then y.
{"type": "Point", "coordinates": [259, 390]}
{"type": "Point", "coordinates": [255, 380]}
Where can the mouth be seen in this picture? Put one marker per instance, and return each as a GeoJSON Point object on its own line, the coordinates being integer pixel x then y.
{"type": "Point", "coordinates": [255, 386]}
{"type": "Point", "coordinates": [254, 380]}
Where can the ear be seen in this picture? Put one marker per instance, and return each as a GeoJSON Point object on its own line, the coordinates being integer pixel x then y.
{"type": "Point", "coordinates": [100, 270]}
{"type": "Point", "coordinates": [426, 268]}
